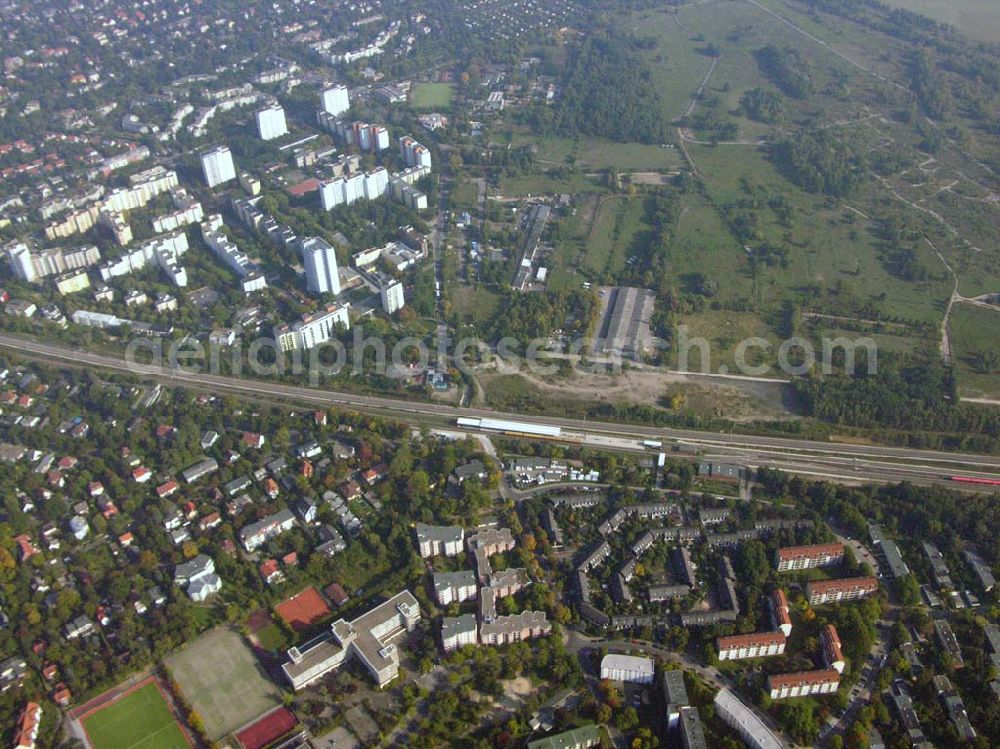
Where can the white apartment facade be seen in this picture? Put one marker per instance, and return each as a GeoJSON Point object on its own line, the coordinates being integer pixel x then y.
{"type": "Point", "coordinates": [271, 123]}
{"type": "Point", "coordinates": [217, 166]}
{"type": "Point", "coordinates": [320, 260]}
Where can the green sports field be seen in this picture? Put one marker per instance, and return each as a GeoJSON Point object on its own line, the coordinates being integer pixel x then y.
{"type": "Point", "coordinates": [432, 96]}
{"type": "Point", "coordinates": [140, 720]}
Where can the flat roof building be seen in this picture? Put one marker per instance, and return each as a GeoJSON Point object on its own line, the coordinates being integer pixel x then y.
{"type": "Point", "coordinates": [454, 587]}
{"type": "Point", "coordinates": [628, 668]}
{"type": "Point", "coordinates": [675, 695]}
{"type": "Point", "coordinates": [692, 733]}
{"type": "Point", "coordinates": [577, 738]}
{"type": "Point", "coordinates": [367, 638]}
{"type": "Point", "coordinates": [458, 631]}
{"type": "Point", "coordinates": [434, 540]}
{"type": "Point", "coordinates": [949, 643]}
{"type": "Point", "coordinates": [980, 569]}
{"type": "Point", "coordinates": [745, 722]}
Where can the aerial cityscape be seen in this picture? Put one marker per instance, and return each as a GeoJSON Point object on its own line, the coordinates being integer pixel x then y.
{"type": "Point", "coordinates": [500, 374]}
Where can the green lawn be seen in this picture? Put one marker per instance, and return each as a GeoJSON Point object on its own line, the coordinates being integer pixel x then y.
{"type": "Point", "coordinates": [979, 19]}
{"type": "Point", "coordinates": [432, 96]}
{"type": "Point", "coordinates": [140, 720]}
{"type": "Point", "coordinates": [610, 240]}
{"type": "Point", "coordinates": [975, 337]}
{"type": "Point", "coordinates": [272, 638]}
{"type": "Point", "coordinates": [599, 153]}
{"type": "Point", "coordinates": [473, 306]}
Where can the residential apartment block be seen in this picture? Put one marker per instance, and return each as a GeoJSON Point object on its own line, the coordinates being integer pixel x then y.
{"type": "Point", "coordinates": [271, 123]}
{"type": "Point", "coordinates": [628, 668]}
{"type": "Point", "coordinates": [754, 645]}
{"type": "Point", "coordinates": [454, 587]}
{"type": "Point", "coordinates": [807, 557]}
{"type": "Point", "coordinates": [320, 261]}
{"type": "Point", "coordinates": [443, 540]}
{"type": "Point", "coordinates": [803, 683]}
{"type": "Point", "coordinates": [744, 721]}
{"type": "Point", "coordinates": [257, 534]}
{"type": "Point", "coordinates": [314, 329]}
{"type": "Point", "coordinates": [847, 589]}
{"type": "Point", "coordinates": [458, 631]}
{"type": "Point", "coordinates": [515, 628]}
{"type": "Point", "coordinates": [779, 612]}
{"type": "Point", "coordinates": [829, 642]}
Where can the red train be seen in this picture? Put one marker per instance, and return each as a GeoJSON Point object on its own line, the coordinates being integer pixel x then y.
{"type": "Point", "coordinates": [974, 480]}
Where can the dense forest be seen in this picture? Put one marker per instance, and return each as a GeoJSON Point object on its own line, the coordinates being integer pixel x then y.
{"type": "Point", "coordinates": [608, 92]}
{"type": "Point", "coordinates": [819, 161]}
{"type": "Point", "coordinates": [913, 393]}
{"type": "Point", "coordinates": [762, 105]}
{"type": "Point", "coordinates": [788, 69]}
{"type": "Point", "coordinates": [527, 317]}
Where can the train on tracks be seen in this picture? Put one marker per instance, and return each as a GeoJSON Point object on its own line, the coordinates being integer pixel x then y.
{"type": "Point", "coordinates": [522, 429]}
{"type": "Point", "coordinates": [974, 480]}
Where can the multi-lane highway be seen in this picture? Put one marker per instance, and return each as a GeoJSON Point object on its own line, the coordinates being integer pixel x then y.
{"type": "Point", "coordinates": [835, 461]}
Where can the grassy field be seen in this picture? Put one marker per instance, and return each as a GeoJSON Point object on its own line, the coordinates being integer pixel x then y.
{"type": "Point", "coordinates": [828, 246]}
{"type": "Point", "coordinates": [233, 691]}
{"type": "Point", "coordinates": [140, 720]}
{"type": "Point", "coordinates": [975, 336]}
{"type": "Point", "coordinates": [464, 196]}
{"type": "Point", "coordinates": [610, 239]}
{"type": "Point", "coordinates": [598, 153]}
{"type": "Point", "coordinates": [723, 331]}
{"type": "Point", "coordinates": [473, 306]}
{"type": "Point", "coordinates": [543, 184]}
{"type": "Point", "coordinates": [432, 96]}
{"type": "Point", "coordinates": [979, 19]}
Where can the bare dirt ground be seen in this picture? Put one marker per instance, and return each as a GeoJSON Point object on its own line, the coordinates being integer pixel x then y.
{"type": "Point", "coordinates": [739, 400]}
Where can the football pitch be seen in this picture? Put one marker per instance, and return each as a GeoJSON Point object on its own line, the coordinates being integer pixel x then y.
{"type": "Point", "coordinates": [138, 720]}
{"type": "Point", "coordinates": [221, 679]}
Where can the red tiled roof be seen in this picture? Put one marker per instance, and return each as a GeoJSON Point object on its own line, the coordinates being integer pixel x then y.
{"type": "Point", "coordinates": [844, 584]}
{"type": "Point", "coordinates": [803, 678]}
{"type": "Point", "coordinates": [27, 725]}
{"type": "Point", "coordinates": [754, 638]}
{"type": "Point", "coordinates": [815, 550]}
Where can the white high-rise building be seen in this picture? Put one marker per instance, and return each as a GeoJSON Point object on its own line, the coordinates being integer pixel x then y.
{"type": "Point", "coordinates": [21, 261]}
{"type": "Point", "coordinates": [336, 100]}
{"type": "Point", "coordinates": [331, 193]}
{"type": "Point", "coordinates": [380, 138]}
{"type": "Point", "coordinates": [313, 329]}
{"type": "Point", "coordinates": [271, 122]}
{"type": "Point", "coordinates": [320, 260]}
{"type": "Point", "coordinates": [354, 188]}
{"type": "Point", "coordinates": [376, 183]}
{"type": "Point", "coordinates": [392, 297]}
{"type": "Point", "coordinates": [217, 166]}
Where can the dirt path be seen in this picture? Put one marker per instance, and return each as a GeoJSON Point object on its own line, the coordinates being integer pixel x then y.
{"type": "Point", "coordinates": [945, 341]}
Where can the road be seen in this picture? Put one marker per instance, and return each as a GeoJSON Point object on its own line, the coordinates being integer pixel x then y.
{"type": "Point", "coordinates": [843, 462]}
